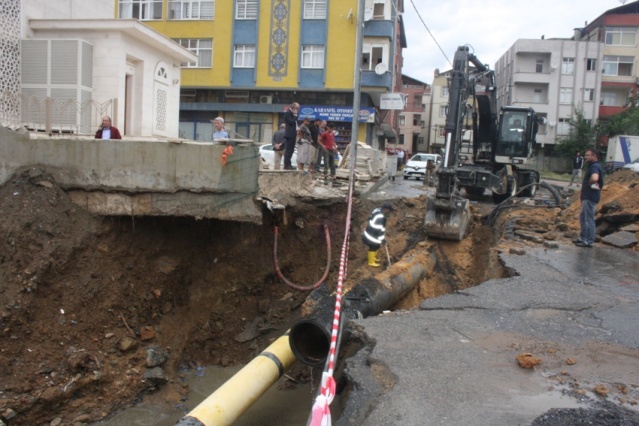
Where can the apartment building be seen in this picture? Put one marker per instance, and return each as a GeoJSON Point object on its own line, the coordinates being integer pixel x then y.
{"type": "Point", "coordinates": [412, 120]}
{"type": "Point", "coordinates": [616, 29]}
{"type": "Point", "coordinates": [254, 58]}
{"type": "Point", "coordinates": [555, 77]}
{"type": "Point", "coordinates": [438, 109]}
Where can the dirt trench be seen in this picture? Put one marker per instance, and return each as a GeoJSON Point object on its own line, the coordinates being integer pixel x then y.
{"type": "Point", "coordinates": [88, 302]}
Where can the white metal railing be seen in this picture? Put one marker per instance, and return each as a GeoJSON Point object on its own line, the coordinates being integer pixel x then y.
{"type": "Point", "coordinates": [60, 115]}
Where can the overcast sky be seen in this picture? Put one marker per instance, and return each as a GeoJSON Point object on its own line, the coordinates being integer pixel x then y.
{"type": "Point", "coordinates": [490, 27]}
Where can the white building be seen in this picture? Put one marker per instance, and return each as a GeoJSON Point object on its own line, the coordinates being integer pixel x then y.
{"type": "Point", "coordinates": [67, 71]}
{"type": "Point", "coordinates": [555, 77]}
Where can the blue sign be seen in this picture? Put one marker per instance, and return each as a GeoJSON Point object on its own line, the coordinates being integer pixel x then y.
{"type": "Point", "coordinates": [336, 113]}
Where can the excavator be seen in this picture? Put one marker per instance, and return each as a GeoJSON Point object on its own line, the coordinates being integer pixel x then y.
{"type": "Point", "coordinates": [502, 148]}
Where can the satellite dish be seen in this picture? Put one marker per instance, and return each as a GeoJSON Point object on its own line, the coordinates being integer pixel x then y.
{"type": "Point", "coordinates": [368, 14]}
{"type": "Point", "coordinates": [381, 68]}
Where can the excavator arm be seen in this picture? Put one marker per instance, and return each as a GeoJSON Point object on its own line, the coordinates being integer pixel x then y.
{"type": "Point", "coordinates": [448, 214]}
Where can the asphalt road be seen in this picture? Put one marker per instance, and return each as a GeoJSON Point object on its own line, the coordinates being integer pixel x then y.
{"type": "Point", "coordinates": [454, 361]}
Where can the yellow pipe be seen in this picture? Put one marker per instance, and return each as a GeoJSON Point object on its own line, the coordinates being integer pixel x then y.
{"type": "Point", "coordinates": [234, 397]}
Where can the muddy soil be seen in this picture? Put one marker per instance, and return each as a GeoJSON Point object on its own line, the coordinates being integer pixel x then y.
{"type": "Point", "coordinates": [98, 312]}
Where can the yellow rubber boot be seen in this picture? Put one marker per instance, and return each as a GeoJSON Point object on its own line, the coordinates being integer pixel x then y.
{"type": "Point", "coordinates": [371, 259]}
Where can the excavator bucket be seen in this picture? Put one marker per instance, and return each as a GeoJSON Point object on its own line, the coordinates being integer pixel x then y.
{"type": "Point", "coordinates": [447, 223]}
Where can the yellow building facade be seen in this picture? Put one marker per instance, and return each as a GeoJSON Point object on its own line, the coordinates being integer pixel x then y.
{"type": "Point", "coordinates": [256, 57]}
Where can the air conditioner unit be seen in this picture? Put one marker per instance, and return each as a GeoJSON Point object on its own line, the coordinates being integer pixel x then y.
{"type": "Point", "coordinates": [266, 99]}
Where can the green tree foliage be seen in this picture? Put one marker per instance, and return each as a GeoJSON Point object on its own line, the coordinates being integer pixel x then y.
{"type": "Point", "coordinates": [624, 123]}
{"type": "Point", "coordinates": [582, 135]}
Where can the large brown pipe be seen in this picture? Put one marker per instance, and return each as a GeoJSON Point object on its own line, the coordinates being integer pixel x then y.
{"type": "Point", "coordinates": [310, 336]}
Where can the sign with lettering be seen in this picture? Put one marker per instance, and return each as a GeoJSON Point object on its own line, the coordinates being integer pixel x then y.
{"type": "Point", "coordinates": [336, 113]}
{"type": "Point", "coordinates": [391, 101]}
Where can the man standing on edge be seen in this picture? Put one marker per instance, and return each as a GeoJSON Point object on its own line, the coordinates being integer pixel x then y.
{"type": "Point", "coordinates": [278, 146]}
{"type": "Point", "coordinates": [107, 131]}
{"type": "Point", "coordinates": [577, 165]}
{"type": "Point", "coordinates": [326, 144]}
{"type": "Point", "coordinates": [290, 135]}
{"type": "Point", "coordinates": [374, 235]}
{"type": "Point", "coordinates": [590, 195]}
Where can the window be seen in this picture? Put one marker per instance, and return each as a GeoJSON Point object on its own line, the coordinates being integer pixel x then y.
{"type": "Point", "coordinates": [422, 124]}
{"type": "Point", "coordinates": [591, 65]}
{"type": "Point", "coordinates": [401, 140]}
{"type": "Point", "coordinates": [371, 56]}
{"type": "Point", "coordinates": [191, 9]}
{"type": "Point", "coordinates": [617, 65]}
{"type": "Point", "coordinates": [246, 9]}
{"type": "Point", "coordinates": [621, 36]}
{"type": "Point", "coordinates": [589, 94]}
{"type": "Point", "coordinates": [402, 120]}
{"type": "Point", "coordinates": [314, 9]}
{"type": "Point", "coordinates": [417, 118]}
{"type": "Point", "coordinates": [417, 102]}
{"type": "Point", "coordinates": [608, 99]}
{"type": "Point", "coordinates": [443, 111]}
{"type": "Point", "coordinates": [202, 47]}
{"type": "Point", "coordinates": [313, 56]}
{"type": "Point", "coordinates": [565, 95]}
{"type": "Point", "coordinates": [244, 56]}
{"type": "Point", "coordinates": [444, 93]}
{"type": "Point", "coordinates": [539, 66]}
{"type": "Point", "coordinates": [563, 128]}
{"type": "Point", "coordinates": [537, 96]}
{"type": "Point", "coordinates": [143, 10]}
{"type": "Point", "coordinates": [568, 66]}
{"type": "Point", "coordinates": [378, 9]}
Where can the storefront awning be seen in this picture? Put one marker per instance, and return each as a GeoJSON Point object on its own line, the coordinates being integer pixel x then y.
{"type": "Point", "coordinates": [387, 131]}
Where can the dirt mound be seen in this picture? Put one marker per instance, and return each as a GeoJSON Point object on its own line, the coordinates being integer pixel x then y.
{"type": "Point", "coordinates": [535, 223]}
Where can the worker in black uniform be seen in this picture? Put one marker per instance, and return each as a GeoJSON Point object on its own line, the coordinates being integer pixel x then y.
{"type": "Point", "coordinates": [374, 235]}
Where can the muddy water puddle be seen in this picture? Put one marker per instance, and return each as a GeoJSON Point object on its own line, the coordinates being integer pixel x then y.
{"type": "Point", "coordinates": [276, 407]}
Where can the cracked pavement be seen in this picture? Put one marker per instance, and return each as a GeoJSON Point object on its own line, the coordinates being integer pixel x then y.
{"type": "Point", "coordinates": [453, 361]}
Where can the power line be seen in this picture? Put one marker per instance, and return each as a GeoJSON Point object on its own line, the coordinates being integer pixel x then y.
{"type": "Point", "coordinates": [431, 34]}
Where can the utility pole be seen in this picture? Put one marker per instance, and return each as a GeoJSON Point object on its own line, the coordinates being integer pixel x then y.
{"type": "Point", "coordinates": [357, 90]}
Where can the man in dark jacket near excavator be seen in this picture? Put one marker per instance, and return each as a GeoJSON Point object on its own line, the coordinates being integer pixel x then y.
{"type": "Point", "coordinates": [374, 235]}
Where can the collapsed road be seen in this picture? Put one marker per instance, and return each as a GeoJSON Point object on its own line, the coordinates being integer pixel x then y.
{"type": "Point", "coordinates": [90, 363]}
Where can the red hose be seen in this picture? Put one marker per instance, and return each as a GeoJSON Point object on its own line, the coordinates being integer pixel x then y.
{"type": "Point", "coordinates": [292, 284]}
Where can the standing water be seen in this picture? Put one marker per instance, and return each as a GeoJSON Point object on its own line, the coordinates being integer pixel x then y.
{"type": "Point", "coordinates": [276, 407]}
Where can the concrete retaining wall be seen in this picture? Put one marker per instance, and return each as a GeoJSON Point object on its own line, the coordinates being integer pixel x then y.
{"type": "Point", "coordinates": [142, 177]}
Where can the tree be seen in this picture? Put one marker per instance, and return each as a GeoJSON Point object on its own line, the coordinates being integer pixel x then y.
{"type": "Point", "coordinates": [624, 123]}
{"type": "Point", "coordinates": [582, 136]}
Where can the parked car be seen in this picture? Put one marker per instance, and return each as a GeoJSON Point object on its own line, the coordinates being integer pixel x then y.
{"type": "Point", "coordinates": [416, 166]}
{"type": "Point", "coordinates": [268, 157]}
{"type": "Point", "coordinates": [634, 166]}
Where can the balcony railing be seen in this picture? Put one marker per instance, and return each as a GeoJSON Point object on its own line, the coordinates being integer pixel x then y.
{"type": "Point", "coordinates": [61, 115]}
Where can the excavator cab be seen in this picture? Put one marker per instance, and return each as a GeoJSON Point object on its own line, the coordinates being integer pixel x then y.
{"type": "Point", "coordinates": [515, 135]}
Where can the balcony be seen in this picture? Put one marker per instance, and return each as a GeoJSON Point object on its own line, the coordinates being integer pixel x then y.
{"type": "Point", "coordinates": [379, 28]}
{"type": "Point", "coordinates": [606, 111]}
{"type": "Point", "coordinates": [372, 79]}
{"type": "Point", "coordinates": [531, 77]}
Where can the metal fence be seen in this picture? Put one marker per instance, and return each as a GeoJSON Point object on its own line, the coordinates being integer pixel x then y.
{"type": "Point", "coordinates": [61, 114]}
